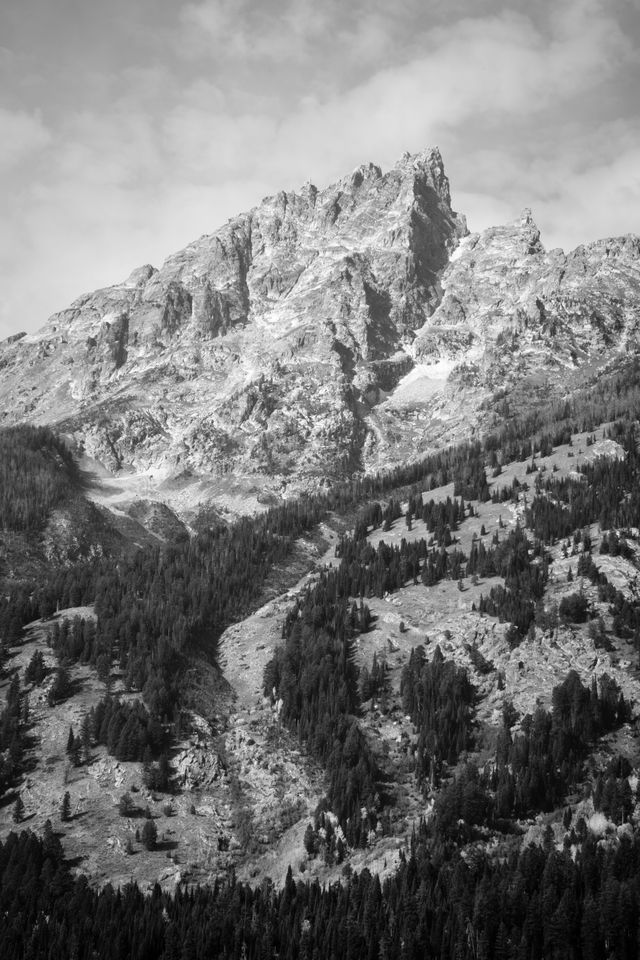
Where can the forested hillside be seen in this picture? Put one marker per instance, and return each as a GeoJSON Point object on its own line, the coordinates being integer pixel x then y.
{"type": "Point", "coordinates": [463, 671]}
{"type": "Point", "coordinates": [37, 472]}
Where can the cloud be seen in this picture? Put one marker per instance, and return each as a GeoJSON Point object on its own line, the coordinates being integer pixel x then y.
{"type": "Point", "coordinates": [594, 197]}
{"type": "Point", "coordinates": [237, 29]}
{"type": "Point", "coordinates": [484, 71]}
{"type": "Point", "coordinates": [581, 188]}
{"type": "Point", "coordinates": [481, 72]}
{"type": "Point", "coordinates": [327, 41]}
{"type": "Point", "coordinates": [22, 135]}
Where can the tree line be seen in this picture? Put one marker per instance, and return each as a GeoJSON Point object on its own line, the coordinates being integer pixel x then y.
{"type": "Point", "coordinates": [581, 903]}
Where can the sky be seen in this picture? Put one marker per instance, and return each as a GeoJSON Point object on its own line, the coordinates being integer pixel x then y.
{"type": "Point", "coordinates": [129, 128]}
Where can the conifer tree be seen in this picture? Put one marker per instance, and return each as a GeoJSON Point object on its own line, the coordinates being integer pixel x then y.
{"type": "Point", "coordinates": [18, 810]}
{"type": "Point", "coordinates": [149, 834]}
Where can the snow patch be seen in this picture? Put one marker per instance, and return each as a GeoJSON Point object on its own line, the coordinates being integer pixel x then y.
{"type": "Point", "coordinates": [421, 383]}
{"type": "Point", "coordinates": [462, 246]}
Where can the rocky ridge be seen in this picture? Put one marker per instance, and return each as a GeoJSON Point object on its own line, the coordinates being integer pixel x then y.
{"type": "Point", "coordinates": [322, 333]}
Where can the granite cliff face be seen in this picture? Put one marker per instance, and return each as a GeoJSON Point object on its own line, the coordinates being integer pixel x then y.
{"type": "Point", "coordinates": [516, 325]}
{"type": "Point", "coordinates": [322, 333]}
{"type": "Point", "coordinates": [503, 290]}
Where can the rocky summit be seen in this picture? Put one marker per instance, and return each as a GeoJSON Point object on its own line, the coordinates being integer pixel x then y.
{"type": "Point", "coordinates": [323, 333]}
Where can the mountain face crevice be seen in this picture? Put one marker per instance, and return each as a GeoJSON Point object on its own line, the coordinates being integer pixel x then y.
{"type": "Point", "coordinates": [321, 332]}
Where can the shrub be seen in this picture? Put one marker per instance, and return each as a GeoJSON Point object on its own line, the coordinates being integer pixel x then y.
{"type": "Point", "coordinates": [574, 607]}
{"type": "Point", "coordinates": [126, 806]}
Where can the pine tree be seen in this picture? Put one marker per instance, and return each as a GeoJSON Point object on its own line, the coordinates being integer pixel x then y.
{"type": "Point", "coordinates": [65, 807]}
{"type": "Point", "coordinates": [18, 810]}
{"type": "Point", "coordinates": [61, 687]}
{"type": "Point", "coordinates": [74, 752]}
{"type": "Point", "coordinates": [86, 739]}
{"type": "Point", "coordinates": [149, 835]}
{"type": "Point", "coordinates": [310, 841]}
{"type": "Point", "coordinates": [164, 772]}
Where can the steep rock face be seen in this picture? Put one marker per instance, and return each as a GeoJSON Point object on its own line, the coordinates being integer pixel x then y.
{"type": "Point", "coordinates": [503, 290]}
{"type": "Point", "coordinates": [322, 332]}
{"type": "Point", "coordinates": [252, 349]}
{"type": "Point", "coordinates": [515, 322]}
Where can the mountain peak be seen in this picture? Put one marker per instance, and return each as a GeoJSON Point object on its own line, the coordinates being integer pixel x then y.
{"type": "Point", "coordinates": [364, 172]}
{"type": "Point", "coordinates": [427, 165]}
{"type": "Point", "coordinates": [430, 157]}
{"type": "Point", "coordinates": [140, 276]}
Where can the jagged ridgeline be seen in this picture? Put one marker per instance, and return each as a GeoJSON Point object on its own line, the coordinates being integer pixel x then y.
{"type": "Point", "coordinates": [250, 351]}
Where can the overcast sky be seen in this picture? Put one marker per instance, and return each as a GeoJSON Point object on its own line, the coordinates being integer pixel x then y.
{"type": "Point", "coordinates": [130, 127]}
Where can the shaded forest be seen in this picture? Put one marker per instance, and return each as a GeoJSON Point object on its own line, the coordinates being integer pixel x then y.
{"type": "Point", "coordinates": [537, 902]}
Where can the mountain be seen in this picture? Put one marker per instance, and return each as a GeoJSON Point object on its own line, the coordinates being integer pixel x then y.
{"type": "Point", "coordinates": [395, 717]}
{"type": "Point", "coordinates": [256, 352]}
{"type": "Point", "coordinates": [322, 333]}
{"type": "Point", "coordinates": [511, 310]}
